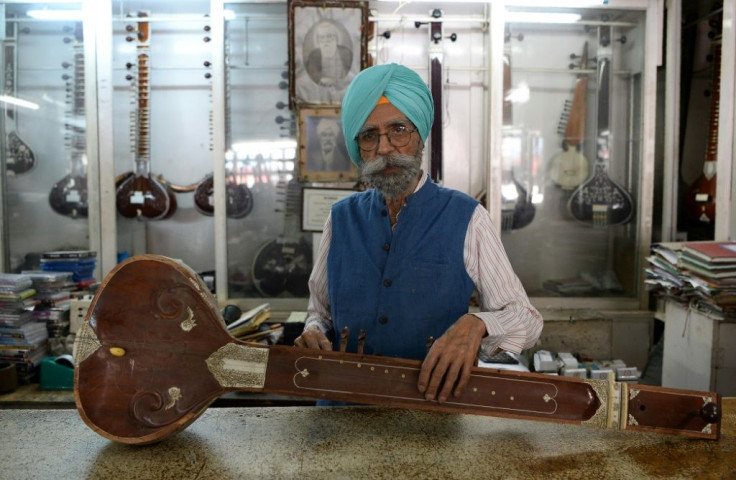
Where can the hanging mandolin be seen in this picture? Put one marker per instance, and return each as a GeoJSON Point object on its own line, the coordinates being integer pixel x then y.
{"type": "Point", "coordinates": [600, 201]}
{"type": "Point", "coordinates": [570, 168]}
{"type": "Point", "coordinates": [154, 352]}
{"type": "Point", "coordinates": [68, 196]}
{"type": "Point", "coordinates": [141, 195]}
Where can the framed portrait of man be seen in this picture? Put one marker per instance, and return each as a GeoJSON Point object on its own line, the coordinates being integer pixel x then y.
{"type": "Point", "coordinates": [322, 154]}
{"type": "Point", "coordinates": [328, 46]}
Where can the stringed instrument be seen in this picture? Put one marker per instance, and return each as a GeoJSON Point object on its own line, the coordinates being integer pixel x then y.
{"type": "Point", "coordinates": [238, 197]}
{"type": "Point", "coordinates": [570, 168]}
{"type": "Point", "coordinates": [517, 209]}
{"type": "Point", "coordinates": [283, 265]}
{"type": "Point", "coordinates": [141, 195]}
{"type": "Point", "coordinates": [700, 198]}
{"type": "Point", "coordinates": [154, 353]}
{"type": "Point", "coordinates": [19, 158]}
{"type": "Point", "coordinates": [600, 201]}
{"type": "Point", "coordinates": [68, 196]}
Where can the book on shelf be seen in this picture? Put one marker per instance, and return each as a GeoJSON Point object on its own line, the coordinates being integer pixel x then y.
{"type": "Point", "coordinates": [711, 252]}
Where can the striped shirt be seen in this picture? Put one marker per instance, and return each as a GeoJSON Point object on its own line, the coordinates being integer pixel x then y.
{"type": "Point", "coordinates": [512, 323]}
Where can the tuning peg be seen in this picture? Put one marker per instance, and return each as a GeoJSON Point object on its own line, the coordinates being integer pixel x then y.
{"type": "Point", "coordinates": [621, 39]}
{"type": "Point", "coordinates": [386, 34]}
{"type": "Point", "coordinates": [452, 37]}
{"type": "Point", "coordinates": [281, 105]}
{"type": "Point", "coordinates": [430, 342]}
{"type": "Point", "coordinates": [206, 39]}
{"type": "Point", "coordinates": [361, 341]}
{"type": "Point", "coordinates": [344, 339]}
{"type": "Point", "coordinates": [508, 36]}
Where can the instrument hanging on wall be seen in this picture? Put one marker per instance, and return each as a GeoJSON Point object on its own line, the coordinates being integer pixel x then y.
{"type": "Point", "coordinates": [141, 195]}
{"type": "Point", "coordinates": [700, 197]}
{"type": "Point", "coordinates": [154, 353]}
{"type": "Point", "coordinates": [570, 168]}
{"type": "Point", "coordinates": [19, 158]}
{"type": "Point", "coordinates": [517, 209]}
{"type": "Point", "coordinates": [600, 201]}
{"type": "Point", "coordinates": [283, 265]}
{"type": "Point", "coordinates": [436, 53]}
{"type": "Point", "coordinates": [68, 196]}
{"type": "Point", "coordinates": [238, 197]}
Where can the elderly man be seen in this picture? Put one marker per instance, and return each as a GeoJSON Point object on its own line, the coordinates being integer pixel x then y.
{"type": "Point", "coordinates": [328, 156]}
{"type": "Point", "coordinates": [401, 261]}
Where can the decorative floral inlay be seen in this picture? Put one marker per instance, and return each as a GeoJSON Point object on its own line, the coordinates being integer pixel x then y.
{"type": "Point", "coordinates": [174, 396]}
{"type": "Point", "coordinates": [188, 324]}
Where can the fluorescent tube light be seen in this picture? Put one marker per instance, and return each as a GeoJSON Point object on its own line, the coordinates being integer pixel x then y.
{"type": "Point", "coordinates": [55, 14]}
{"type": "Point", "coordinates": [541, 17]}
{"type": "Point", "coordinates": [18, 102]}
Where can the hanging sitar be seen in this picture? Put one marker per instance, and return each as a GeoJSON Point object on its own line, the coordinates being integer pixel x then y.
{"type": "Point", "coordinates": [154, 352]}
{"type": "Point", "coordinates": [601, 201]}
{"type": "Point", "coordinates": [68, 196]}
{"type": "Point", "coordinates": [238, 197]}
{"type": "Point", "coordinates": [19, 158]}
{"type": "Point", "coordinates": [141, 195]}
{"type": "Point", "coordinates": [700, 198]}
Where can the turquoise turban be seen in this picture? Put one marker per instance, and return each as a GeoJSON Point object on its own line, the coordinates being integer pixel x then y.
{"type": "Point", "coordinates": [404, 88]}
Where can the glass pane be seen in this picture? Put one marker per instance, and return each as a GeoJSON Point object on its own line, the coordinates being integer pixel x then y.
{"type": "Point", "coordinates": [571, 152]}
{"type": "Point", "coordinates": [268, 255]}
{"type": "Point", "coordinates": [162, 129]}
{"type": "Point", "coordinates": [44, 125]}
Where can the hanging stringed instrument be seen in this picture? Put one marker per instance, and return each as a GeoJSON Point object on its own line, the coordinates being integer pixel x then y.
{"type": "Point", "coordinates": [154, 353]}
{"type": "Point", "coordinates": [700, 198]}
{"type": "Point", "coordinates": [517, 209]}
{"type": "Point", "coordinates": [68, 196]}
{"type": "Point", "coordinates": [141, 195]}
{"type": "Point", "coordinates": [238, 197]}
{"type": "Point", "coordinates": [600, 201]}
{"type": "Point", "coordinates": [570, 168]}
{"type": "Point", "coordinates": [283, 265]}
{"type": "Point", "coordinates": [19, 158]}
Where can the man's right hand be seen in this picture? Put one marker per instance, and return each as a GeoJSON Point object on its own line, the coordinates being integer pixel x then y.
{"type": "Point", "coordinates": [314, 339]}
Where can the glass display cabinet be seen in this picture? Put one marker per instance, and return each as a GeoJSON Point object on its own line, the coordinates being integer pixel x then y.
{"type": "Point", "coordinates": [576, 156]}
{"type": "Point", "coordinates": [45, 64]}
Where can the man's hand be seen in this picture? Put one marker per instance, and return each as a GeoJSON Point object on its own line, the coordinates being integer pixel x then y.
{"type": "Point", "coordinates": [314, 339]}
{"type": "Point", "coordinates": [451, 357]}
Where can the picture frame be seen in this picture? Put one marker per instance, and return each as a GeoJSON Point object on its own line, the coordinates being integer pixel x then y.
{"type": "Point", "coordinates": [316, 205]}
{"type": "Point", "coordinates": [328, 46]}
{"type": "Point", "coordinates": [321, 154]}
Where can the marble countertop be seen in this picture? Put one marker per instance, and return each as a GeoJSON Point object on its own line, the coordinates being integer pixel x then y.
{"type": "Point", "coordinates": [357, 442]}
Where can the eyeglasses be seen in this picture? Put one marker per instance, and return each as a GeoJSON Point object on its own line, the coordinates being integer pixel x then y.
{"type": "Point", "coordinates": [398, 135]}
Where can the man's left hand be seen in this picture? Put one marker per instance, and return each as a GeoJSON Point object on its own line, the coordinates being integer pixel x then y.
{"type": "Point", "coordinates": [451, 357]}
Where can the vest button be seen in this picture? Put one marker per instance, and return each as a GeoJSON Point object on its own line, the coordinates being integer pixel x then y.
{"type": "Point", "coordinates": [383, 319]}
{"type": "Point", "coordinates": [384, 212]}
{"type": "Point", "coordinates": [386, 246]}
{"type": "Point", "coordinates": [387, 282]}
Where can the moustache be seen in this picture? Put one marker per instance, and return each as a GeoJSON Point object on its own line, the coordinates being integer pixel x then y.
{"type": "Point", "coordinates": [381, 162]}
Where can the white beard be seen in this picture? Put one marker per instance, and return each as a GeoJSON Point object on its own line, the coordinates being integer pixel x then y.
{"type": "Point", "coordinates": [394, 185]}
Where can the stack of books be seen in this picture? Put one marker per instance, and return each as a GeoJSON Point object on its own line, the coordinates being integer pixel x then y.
{"type": "Point", "coordinates": [81, 264]}
{"type": "Point", "coordinates": [54, 297]}
{"type": "Point", "coordinates": [700, 272]}
{"type": "Point", "coordinates": [23, 341]}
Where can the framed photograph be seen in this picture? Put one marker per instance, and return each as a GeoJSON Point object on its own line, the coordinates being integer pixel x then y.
{"type": "Point", "coordinates": [316, 205]}
{"type": "Point", "coordinates": [328, 46]}
{"type": "Point", "coordinates": [322, 155]}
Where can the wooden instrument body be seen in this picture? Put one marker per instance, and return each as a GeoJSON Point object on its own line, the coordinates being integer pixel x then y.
{"type": "Point", "coordinates": [154, 352]}
{"type": "Point", "coordinates": [238, 198]}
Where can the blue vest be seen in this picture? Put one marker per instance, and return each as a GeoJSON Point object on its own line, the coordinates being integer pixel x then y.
{"type": "Point", "coordinates": [400, 287]}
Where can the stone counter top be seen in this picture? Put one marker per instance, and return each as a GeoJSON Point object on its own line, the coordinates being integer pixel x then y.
{"type": "Point", "coordinates": [360, 443]}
